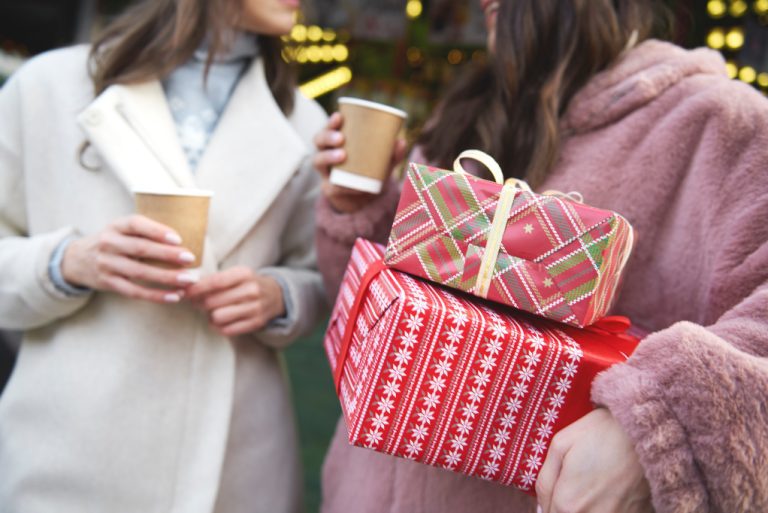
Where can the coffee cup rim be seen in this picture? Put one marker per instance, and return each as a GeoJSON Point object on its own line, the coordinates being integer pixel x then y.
{"type": "Point", "coordinates": [373, 105]}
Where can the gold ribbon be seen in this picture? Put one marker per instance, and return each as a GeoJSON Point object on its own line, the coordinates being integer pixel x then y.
{"type": "Point", "coordinates": [500, 217]}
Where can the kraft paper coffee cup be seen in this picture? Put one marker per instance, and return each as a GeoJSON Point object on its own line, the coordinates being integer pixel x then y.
{"type": "Point", "coordinates": [184, 210]}
{"type": "Point", "coordinates": [370, 131]}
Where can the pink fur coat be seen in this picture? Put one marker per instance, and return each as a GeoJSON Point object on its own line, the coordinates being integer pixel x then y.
{"type": "Point", "coordinates": [665, 138]}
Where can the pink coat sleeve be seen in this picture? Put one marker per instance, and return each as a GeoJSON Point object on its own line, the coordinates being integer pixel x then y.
{"type": "Point", "coordinates": [694, 397]}
{"type": "Point", "coordinates": [336, 233]}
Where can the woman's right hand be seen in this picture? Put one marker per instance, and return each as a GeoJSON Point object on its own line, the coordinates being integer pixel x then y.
{"type": "Point", "coordinates": [330, 152]}
{"type": "Point", "coordinates": [111, 260]}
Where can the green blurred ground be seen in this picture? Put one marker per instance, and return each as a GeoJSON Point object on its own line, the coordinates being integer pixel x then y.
{"type": "Point", "coordinates": [317, 408]}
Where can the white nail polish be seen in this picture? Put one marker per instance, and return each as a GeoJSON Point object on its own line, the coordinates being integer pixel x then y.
{"type": "Point", "coordinates": [188, 277]}
{"type": "Point", "coordinates": [187, 257]}
{"type": "Point", "coordinates": [172, 238]}
{"type": "Point", "coordinates": [172, 298]}
{"type": "Point", "coordinates": [538, 509]}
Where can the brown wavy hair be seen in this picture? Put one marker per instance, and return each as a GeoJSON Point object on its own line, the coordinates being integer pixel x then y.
{"type": "Point", "coordinates": [545, 51]}
{"type": "Point", "coordinates": [154, 37]}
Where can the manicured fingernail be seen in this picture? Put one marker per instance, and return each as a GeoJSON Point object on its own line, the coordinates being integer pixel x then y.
{"type": "Point", "coordinates": [538, 509]}
{"type": "Point", "coordinates": [172, 298]}
{"type": "Point", "coordinates": [336, 138]}
{"type": "Point", "coordinates": [186, 256]}
{"type": "Point", "coordinates": [188, 277]}
{"type": "Point", "coordinates": [338, 154]}
{"type": "Point", "coordinates": [172, 238]}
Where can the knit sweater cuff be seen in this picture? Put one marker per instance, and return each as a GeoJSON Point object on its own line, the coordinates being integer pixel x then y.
{"type": "Point", "coordinates": [372, 222]}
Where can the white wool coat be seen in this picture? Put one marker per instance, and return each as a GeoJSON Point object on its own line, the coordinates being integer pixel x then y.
{"type": "Point", "coordinates": [124, 406]}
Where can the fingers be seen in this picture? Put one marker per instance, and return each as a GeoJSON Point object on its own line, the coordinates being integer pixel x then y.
{"type": "Point", "coordinates": [131, 290]}
{"type": "Point", "coordinates": [329, 143]}
{"type": "Point", "coordinates": [329, 138]}
{"type": "Point", "coordinates": [238, 310]}
{"type": "Point", "coordinates": [220, 281]}
{"type": "Point", "coordinates": [398, 153]}
{"type": "Point", "coordinates": [336, 121]}
{"type": "Point", "coordinates": [238, 301]}
{"type": "Point", "coordinates": [243, 293]}
{"type": "Point", "coordinates": [134, 270]}
{"type": "Point", "coordinates": [242, 327]}
{"type": "Point", "coordinates": [139, 247]}
{"type": "Point", "coordinates": [550, 470]}
{"type": "Point", "coordinates": [323, 161]}
{"type": "Point", "coordinates": [238, 318]}
{"type": "Point", "coordinates": [141, 226]}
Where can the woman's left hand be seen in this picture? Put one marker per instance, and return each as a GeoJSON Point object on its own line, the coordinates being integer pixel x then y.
{"type": "Point", "coordinates": [592, 467]}
{"type": "Point", "coordinates": [237, 300]}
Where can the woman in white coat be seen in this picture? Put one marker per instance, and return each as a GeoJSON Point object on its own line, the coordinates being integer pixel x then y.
{"type": "Point", "coordinates": [139, 388]}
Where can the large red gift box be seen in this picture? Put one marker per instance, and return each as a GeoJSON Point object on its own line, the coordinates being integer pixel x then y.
{"type": "Point", "coordinates": [545, 253]}
{"type": "Point", "coordinates": [439, 377]}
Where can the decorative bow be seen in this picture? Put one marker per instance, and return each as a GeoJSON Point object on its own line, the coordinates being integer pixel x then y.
{"type": "Point", "coordinates": [500, 217]}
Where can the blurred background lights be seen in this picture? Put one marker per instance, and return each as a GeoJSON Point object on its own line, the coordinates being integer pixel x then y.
{"type": "Point", "coordinates": [315, 45]}
{"type": "Point", "coordinates": [747, 74]}
{"type": "Point", "coordinates": [299, 33]}
{"type": "Point", "coordinates": [716, 38]}
{"type": "Point", "coordinates": [455, 56]}
{"type": "Point", "coordinates": [413, 9]}
{"type": "Point", "coordinates": [735, 38]}
{"type": "Point", "coordinates": [414, 55]}
{"type": "Point", "coordinates": [327, 82]}
{"type": "Point", "coordinates": [314, 33]}
{"type": "Point", "coordinates": [340, 53]}
{"type": "Point", "coordinates": [314, 54]}
{"type": "Point", "coordinates": [716, 8]}
{"type": "Point", "coordinates": [327, 53]}
{"type": "Point", "coordinates": [329, 35]}
{"type": "Point", "coordinates": [738, 8]}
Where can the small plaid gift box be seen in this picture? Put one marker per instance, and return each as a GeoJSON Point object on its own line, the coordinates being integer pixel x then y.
{"type": "Point", "coordinates": [450, 380]}
{"type": "Point", "coordinates": [543, 253]}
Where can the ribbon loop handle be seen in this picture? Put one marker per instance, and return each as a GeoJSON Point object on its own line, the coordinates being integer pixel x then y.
{"type": "Point", "coordinates": [484, 159]}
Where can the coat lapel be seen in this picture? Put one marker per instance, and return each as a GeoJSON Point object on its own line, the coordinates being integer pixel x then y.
{"type": "Point", "coordinates": [250, 158]}
{"type": "Point", "coordinates": [132, 129]}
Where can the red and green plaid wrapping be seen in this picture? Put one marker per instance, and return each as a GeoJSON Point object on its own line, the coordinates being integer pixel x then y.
{"type": "Point", "coordinates": [558, 259]}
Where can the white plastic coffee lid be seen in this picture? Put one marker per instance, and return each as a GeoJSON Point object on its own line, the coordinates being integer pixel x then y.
{"type": "Point", "coordinates": [354, 181]}
{"type": "Point", "coordinates": [374, 105]}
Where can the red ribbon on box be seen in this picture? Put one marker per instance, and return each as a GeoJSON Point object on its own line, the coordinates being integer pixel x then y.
{"type": "Point", "coordinates": [365, 281]}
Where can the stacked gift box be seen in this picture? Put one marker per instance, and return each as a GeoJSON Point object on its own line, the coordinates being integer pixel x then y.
{"type": "Point", "coordinates": [440, 376]}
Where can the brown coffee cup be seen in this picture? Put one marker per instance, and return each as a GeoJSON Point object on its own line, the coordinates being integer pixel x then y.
{"type": "Point", "coordinates": [370, 133]}
{"type": "Point", "coordinates": [184, 210]}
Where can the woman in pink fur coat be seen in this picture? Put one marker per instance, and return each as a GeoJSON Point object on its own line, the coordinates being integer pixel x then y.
{"type": "Point", "coordinates": [578, 97]}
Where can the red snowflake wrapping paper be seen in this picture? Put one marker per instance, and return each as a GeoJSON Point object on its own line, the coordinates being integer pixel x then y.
{"type": "Point", "coordinates": [557, 258]}
{"type": "Point", "coordinates": [439, 377]}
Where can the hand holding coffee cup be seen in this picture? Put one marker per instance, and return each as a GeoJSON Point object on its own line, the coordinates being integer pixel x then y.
{"type": "Point", "coordinates": [354, 140]}
{"type": "Point", "coordinates": [112, 260]}
{"type": "Point", "coordinates": [370, 131]}
{"type": "Point", "coordinates": [329, 143]}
